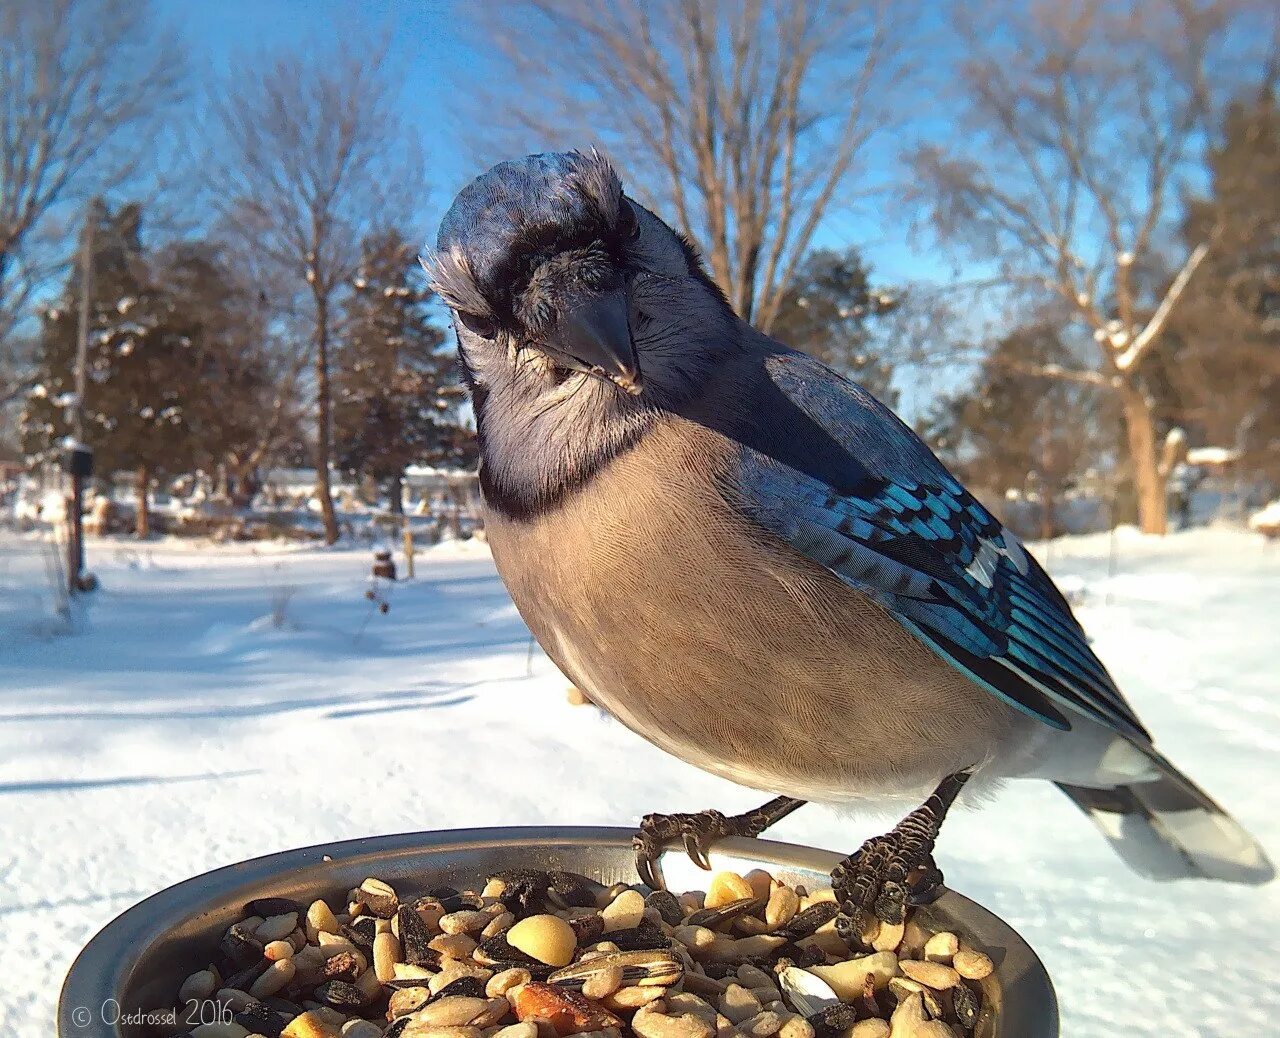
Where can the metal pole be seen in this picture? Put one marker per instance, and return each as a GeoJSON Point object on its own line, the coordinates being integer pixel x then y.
{"type": "Point", "coordinates": [1112, 552]}
{"type": "Point", "coordinates": [407, 537]}
{"type": "Point", "coordinates": [75, 541]}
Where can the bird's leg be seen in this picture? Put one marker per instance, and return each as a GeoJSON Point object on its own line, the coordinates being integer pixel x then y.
{"type": "Point", "coordinates": [891, 872]}
{"type": "Point", "coordinates": [699, 831]}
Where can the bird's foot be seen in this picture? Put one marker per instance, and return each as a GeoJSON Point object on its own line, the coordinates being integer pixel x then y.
{"type": "Point", "coordinates": [699, 831]}
{"type": "Point", "coordinates": [891, 873]}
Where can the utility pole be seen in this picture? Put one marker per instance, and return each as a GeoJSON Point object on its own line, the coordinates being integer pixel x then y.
{"type": "Point", "coordinates": [79, 459]}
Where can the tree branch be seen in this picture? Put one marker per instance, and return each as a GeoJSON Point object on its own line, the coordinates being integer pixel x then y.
{"type": "Point", "coordinates": [1054, 371]}
{"type": "Point", "coordinates": [1133, 354]}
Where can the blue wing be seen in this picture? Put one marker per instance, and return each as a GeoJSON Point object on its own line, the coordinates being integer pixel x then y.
{"type": "Point", "coordinates": [886, 517]}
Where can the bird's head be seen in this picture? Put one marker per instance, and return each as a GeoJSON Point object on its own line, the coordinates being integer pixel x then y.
{"type": "Point", "coordinates": [556, 278]}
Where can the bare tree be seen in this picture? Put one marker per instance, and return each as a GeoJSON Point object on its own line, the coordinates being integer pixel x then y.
{"type": "Point", "coordinates": [313, 156]}
{"type": "Point", "coordinates": [1081, 122]}
{"type": "Point", "coordinates": [746, 120]}
{"type": "Point", "coordinates": [82, 83]}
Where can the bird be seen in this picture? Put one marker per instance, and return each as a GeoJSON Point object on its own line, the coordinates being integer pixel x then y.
{"type": "Point", "coordinates": [754, 564]}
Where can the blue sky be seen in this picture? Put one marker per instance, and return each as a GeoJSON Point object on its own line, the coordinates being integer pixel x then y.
{"type": "Point", "coordinates": [427, 49]}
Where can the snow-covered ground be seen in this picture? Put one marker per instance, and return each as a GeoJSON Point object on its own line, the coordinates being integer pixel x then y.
{"type": "Point", "coordinates": [179, 729]}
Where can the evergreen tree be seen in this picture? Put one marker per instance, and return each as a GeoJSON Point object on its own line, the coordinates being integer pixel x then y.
{"type": "Point", "coordinates": [246, 406]}
{"type": "Point", "coordinates": [397, 393]}
{"type": "Point", "coordinates": [141, 368]}
{"type": "Point", "coordinates": [1223, 379]}
{"type": "Point", "coordinates": [826, 311]}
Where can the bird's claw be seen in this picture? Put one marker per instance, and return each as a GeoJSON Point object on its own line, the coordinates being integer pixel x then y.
{"type": "Point", "coordinates": [881, 880]}
{"type": "Point", "coordinates": [647, 851]}
{"type": "Point", "coordinates": [692, 849]}
{"type": "Point", "coordinates": [696, 831]}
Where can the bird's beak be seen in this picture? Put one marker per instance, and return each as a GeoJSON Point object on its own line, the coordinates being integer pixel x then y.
{"type": "Point", "coordinates": [597, 335]}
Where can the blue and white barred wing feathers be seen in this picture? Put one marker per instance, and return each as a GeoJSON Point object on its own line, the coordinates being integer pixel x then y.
{"type": "Point", "coordinates": [890, 520]}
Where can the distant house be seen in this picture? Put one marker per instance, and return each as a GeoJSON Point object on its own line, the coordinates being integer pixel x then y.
{"type": "Point", "coordinates": [12, 464]}
{"type": "Point", "coordinates": [424, 487]}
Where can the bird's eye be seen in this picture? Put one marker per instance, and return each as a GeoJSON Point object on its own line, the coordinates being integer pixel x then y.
{"type": "Point", "coordinates": [485, 327]}
{"type": "Point", "coordinates": [628, 224]}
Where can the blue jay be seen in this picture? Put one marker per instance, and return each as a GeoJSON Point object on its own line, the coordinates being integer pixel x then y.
{"type": "Point", "coordinates": [754, 564]}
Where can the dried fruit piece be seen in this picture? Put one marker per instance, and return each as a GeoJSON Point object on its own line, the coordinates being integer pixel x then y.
{"type": "Point", "coordinates": [344, 966]}
{"type": "Point", "coordinates": [311, 1024]}
{"type": "Point", "coordinates": [565, 1010]}
{"type": "Point", "coordinates": [587, 928]}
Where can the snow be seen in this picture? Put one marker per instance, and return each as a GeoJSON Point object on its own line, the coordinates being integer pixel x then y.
{"type": "Point", "coordinates": [1267, 518]}
{"type": "Point", "coordinates": [1211, 455]}
{"type": "Point", "coordinates": [181, 726]}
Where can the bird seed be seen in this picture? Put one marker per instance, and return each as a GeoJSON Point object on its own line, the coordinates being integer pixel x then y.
{"type": "Point", "coordinates": [548, 955]}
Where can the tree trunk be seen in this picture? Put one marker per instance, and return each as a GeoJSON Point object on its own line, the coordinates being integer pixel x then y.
{"type": "Point", "coordinates": [396, 495]}
{"type": "Point", "coordinates": [1148, 483]}
{"type": "Point", "coordinates": [455, 513]}
{"type": "Point", "coordinates": [322, 421]}
{"type": "Point", "coordinates": [142, 523]}
{"type": "Point", "coordinates": [1047, 513]}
